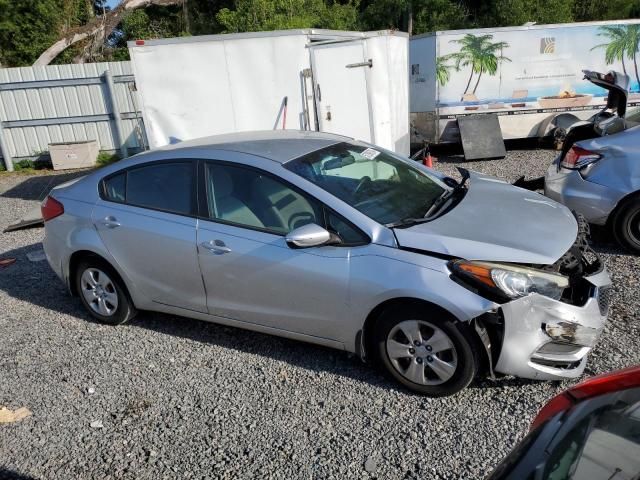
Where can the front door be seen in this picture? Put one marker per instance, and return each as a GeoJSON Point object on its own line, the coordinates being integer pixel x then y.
{"type": "Point", "coordinates": [249, 271]}
{"type": "Point", "coordinates": [340, 76]}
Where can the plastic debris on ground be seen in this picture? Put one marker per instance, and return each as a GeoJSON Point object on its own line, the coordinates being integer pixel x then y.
{"type": "Point", "coordinates": [11, 416]}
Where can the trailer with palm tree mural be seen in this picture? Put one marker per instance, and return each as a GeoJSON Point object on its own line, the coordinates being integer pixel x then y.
{"type": "Point", "coordinates": [529, 76]}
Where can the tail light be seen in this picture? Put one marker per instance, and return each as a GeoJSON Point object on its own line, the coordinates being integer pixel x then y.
{"type": "Point", "coordinates": [51, 208]}
{"type": "Point", "coordinates": [578, 157]}
{"type": "Point", "coordinates": [599, 385]}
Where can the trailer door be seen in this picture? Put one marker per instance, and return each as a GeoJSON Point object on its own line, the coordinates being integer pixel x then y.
{"type": "Point", "coordinates": [341, 93]}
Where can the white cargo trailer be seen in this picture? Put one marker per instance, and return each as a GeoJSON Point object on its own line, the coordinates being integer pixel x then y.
{"type": "Point", "coordinates": [530, 76]}
{"type": "Point", "coordinates": [350, 83]}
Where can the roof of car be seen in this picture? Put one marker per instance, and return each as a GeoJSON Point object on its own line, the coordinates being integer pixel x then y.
{"type": "Point", "coordinates": [277, 145]}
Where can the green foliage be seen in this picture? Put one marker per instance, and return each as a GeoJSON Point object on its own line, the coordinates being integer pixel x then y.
{"type": "Point", "coordinates": [28, 27]}
{"type": "Point", "coordinates": [585, 10]}
{"type": "Point", "coordinates": [519, 12]}
{"type": "Point", "coordinates": [257, 15]}
{"type": "Point", "coordinates": [145, 24]}
{"type": "Point", "coordinates": [106, 158]}
{"type": "Point", "coordinates": [429, 15]}
{"type": "Point", "coordinates": [434, 15]}
{"type": "Point", "coordinates": [25, 164]}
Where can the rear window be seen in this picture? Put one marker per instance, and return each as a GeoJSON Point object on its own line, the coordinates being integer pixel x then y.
{"type": "Point", "coordinates": [114, 188]}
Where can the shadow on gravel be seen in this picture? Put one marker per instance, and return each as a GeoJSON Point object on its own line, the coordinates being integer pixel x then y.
{"type": "Point", "coordinates": [6, 474]}
{"type": "Point", "coordinates": [36, 187]}
{"type": "Point", "coordinates": [35, 283]}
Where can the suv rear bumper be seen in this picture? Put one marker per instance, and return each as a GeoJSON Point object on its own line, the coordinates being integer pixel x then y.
{"type": "Point", "coordinates": [568, 187]}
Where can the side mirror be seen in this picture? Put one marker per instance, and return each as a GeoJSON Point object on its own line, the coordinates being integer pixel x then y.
{"type": "Point", "coordinates": [309, 235]}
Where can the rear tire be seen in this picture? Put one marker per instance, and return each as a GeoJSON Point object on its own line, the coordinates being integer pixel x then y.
{"type": "Point", "coordinates": [425, 350]}
{"type": "Point", "coordinates": [102, 292]}
{"type": "Point", "coordinates": [626, 225]}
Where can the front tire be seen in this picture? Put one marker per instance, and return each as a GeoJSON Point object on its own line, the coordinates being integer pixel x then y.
{"type": "Point", "coordinates": [626, 225]}
{"type": "Point", "coordinates": [102, 293]}
{"type": "Point", "coordinates": [428, 352]}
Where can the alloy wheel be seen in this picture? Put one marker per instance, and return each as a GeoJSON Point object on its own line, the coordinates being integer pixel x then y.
{"type": "Point", "coordinates": [99, 292]}
{"type": "Point", "coordinates": [421, 352]}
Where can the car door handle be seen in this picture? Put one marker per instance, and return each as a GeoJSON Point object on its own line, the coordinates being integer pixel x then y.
{"type": "Point", "coordinates": [110, 222]}
{"type": "Point", "coordinates": [218, 247]}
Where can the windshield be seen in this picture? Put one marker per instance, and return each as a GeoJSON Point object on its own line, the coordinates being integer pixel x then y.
{"type": "Point", "coordinates": [377, 184]}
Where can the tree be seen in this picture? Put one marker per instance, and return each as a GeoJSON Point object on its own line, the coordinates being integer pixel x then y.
{"type": "Point", "coordinates": [100, 27]}
{"type": "Point", "coordinates": [428, 15]}
{"type": "Point", "coordinates": [586, 10]}
{"type": "Point", "coordinates": [26, 28]}
{"type": "Point", "coordinates": [478, 52]}
{"type": "Point", "coordinates": [257, 15]}
{"type": "Point", "coordinates": [518, 12]}
{"type": "Point", "coordinates": [617, 46]}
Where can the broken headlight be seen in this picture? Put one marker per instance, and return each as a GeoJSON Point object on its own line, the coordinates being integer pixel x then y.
{"type": "Point", "coordinates": [509, 281]}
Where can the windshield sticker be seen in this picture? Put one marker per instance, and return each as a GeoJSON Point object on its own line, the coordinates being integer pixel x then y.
{"type": "Point", "coordinates": [370, 153]}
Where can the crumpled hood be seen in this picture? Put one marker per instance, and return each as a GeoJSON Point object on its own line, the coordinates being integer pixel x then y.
{"type": "Point", "coordinates": [496, 221]}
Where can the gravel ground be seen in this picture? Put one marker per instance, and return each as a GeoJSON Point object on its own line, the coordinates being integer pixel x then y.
{"type": "Point", "coordinates": [169, 397]}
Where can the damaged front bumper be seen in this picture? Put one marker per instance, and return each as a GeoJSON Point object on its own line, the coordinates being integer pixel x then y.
{"type": "Point", "coordinates": [549, 339]}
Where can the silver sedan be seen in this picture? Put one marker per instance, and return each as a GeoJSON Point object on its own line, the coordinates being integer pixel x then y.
{"type": "Point", "coordinates": [600, 178]}
{"type": "Point", "coordinates": [333, 241]}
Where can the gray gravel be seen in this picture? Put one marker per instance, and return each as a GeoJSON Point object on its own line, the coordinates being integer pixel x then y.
{"type": "Point", "coordinates": [168, 397]}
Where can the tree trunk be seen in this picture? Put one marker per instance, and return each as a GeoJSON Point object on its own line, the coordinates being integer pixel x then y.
{"type": "Point", "coordinates": [624, 67]}
{"type": "Point", "coordinates": [635, 65]}
{"type": "Point", "coordinates": [468, 83]}
{"type": "Point", "coordinates": [478, 82]}
{"type": "Point", "coordinates": [100, 25]}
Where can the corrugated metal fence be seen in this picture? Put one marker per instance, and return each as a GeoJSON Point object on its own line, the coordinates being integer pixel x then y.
{"type": "Point", "coordinates": [67, 103]}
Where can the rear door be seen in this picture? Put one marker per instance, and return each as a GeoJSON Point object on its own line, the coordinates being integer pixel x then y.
{"type": "Point", "coordinates": [146, 217]}
{"type": "Point", "coordinates": [340, 81]}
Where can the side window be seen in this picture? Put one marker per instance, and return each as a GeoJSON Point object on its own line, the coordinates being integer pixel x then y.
{"type": "Point", "coordinates": [349, 234]}
{"type": "Point", "coordinates": [114, 188]}
{"type": "Point", "coordinates": [162, 186]}
{"type": "Point", "coordinates": [248, 198]}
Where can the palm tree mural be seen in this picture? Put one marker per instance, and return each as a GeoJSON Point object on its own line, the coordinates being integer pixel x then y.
{"type": "Point", "coordinates": [442, 70]}
{"type": "Point", "coordinates": [633, 44]}
{"type": "Point", "coordinates": [617, 46]}
{"type": "Point", "coordinates": [624, 41]}
{"type": "Point", "coordinates": [481, 54]}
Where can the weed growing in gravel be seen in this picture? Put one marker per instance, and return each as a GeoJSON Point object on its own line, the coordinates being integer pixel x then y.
{"type": "Point", "coordinates": [106, 158]}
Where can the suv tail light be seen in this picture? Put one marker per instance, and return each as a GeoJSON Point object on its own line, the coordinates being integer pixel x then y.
{"type": "Point", "coordinates": [599, 385]}
{"type": "Point", "coordinates": [51, 208]}
{"type": "Point", "coordinates": [578, 157]}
